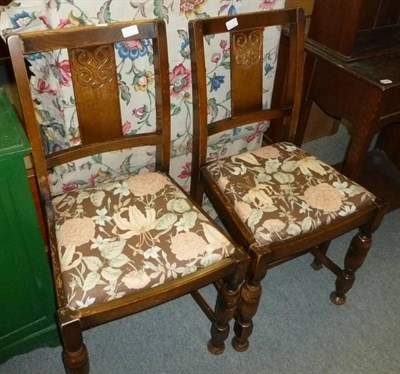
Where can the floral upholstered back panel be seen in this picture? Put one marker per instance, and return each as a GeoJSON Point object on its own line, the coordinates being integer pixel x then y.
{"type": "Point", "coordinates": [52, 89]}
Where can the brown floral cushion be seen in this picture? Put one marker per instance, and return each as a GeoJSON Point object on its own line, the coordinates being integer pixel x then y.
{"type": "Point", "coordinates": [122, 237]}
{"type": "Point", "coordinates": [281, 191]}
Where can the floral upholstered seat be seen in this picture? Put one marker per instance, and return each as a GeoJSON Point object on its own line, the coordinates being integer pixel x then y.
{"type": "Point", "coordinates": [280, 191]}
{"type": "Point", "coordinates": [122, 237]}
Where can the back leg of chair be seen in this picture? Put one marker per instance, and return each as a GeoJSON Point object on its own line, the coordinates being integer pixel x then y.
{"type": "Point", "coordinates": [321, 251]}
{"type": "Point", "coordinates": [75, 355]}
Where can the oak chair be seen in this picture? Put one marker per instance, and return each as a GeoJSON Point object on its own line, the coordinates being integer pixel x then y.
{"type": "Point", "coordinates": [125, 239]}
{"type": "Point", "coordinates": [278, 201]}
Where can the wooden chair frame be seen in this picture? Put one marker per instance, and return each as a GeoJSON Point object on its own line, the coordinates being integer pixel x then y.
{"type": "Point", "coordinates": [104, 137]}
{"type": "Point", "coordinates": [283, 116]}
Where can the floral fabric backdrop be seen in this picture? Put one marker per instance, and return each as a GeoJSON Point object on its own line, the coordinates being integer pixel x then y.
{"type": "Point", "coordinates": [56, 96]}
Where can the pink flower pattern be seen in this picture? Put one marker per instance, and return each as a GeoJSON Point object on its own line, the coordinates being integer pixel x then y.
{"type": "Point", "coordinates": [191, 6]}
{"type": "Point", "coordinates": [186, 171]}
{"type": "Point", "coordinates": [267, 152]}
{"type": "Point", "coordinates": [324, 197]}
{"type": "Point", "coordinates": [76, 231]}
{"type": "Point", "coordinates": [188, 245]}
{"type": "Point", "coordinates": [180, 80]}
{"type": "Point", "coordinates": [267, 4]}
{"type": "Point", "coordinates": [43, 87]}
{"type": "Point", "coordinates": [64, 72]}
{"type": "Point", "coordinates": [136, 279]}
{"type": "Point", "coordinates": [147, 184]}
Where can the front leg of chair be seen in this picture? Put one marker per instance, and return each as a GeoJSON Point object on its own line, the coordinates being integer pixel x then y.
{"type": "Point", "coordinates": [76, 362]}
{"type": "Point", "coordinates": [248, 305]}
{"type": "Point", "coordinates": [75, 355]}
{"type": "Point", "coordinates": [250, 297]}
{"type": "Point", "coordinates": [225, 308]}
{"type": "Point", "coordinates": [355, 257]}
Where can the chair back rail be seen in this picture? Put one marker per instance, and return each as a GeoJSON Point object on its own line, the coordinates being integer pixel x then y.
{"type": "Point", "coordinates": [247, 50]}
{"type": "Point", "coordinates": [95, 86]}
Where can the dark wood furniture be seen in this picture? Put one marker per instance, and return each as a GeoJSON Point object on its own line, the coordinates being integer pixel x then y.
{"type": "Point", "coordinates": [102, 267]}
{"type": "Point", "coordinates": [355, 29]}
{"type": "Point", "coordinates": [352, 72]}
{"type": "Point", "coordinates": [314, 129]}
{"type": "Point", "coordinates": [261, 195]}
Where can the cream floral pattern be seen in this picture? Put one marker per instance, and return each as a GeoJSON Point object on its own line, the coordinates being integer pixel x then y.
{"type": "Point", "coordinates": [129, 235]}
{"type": "Point", "coordinates": [280, 191]}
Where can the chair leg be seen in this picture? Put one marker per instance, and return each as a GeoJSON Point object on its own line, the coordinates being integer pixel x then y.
{"type": "Point", "coordinates": [248, 305]}
{"type": "Point", "coordinates": [75, 355]}
{"type": "Point", "coordinates": [355, 257]}
{"type": "Point", "coordinates": [225, 308]}
{"type": "Point", "coordinates": [250, 296]}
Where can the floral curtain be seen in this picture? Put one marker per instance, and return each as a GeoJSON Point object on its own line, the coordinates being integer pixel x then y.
{"type": "Point", "coordinates": [28, 15]}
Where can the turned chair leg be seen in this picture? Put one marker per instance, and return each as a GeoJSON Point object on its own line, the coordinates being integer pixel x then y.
{"type": "Point", "coordinates": [75, 355]}
{"type": "Point", "coordinates": [355, 257]}
{"type": "Point", "coordinates": [250, 296]}
{"type": "Point", "coordinates": [248, 305]}
{"type": "Point", "coordinates": [76, 362]}
{"type": "Point", "coordinates": [225, 308]}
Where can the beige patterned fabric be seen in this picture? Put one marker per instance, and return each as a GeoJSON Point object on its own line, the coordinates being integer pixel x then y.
{"type": "Point", "coordinates": [122, 237]}
{"type": "Point", "coordinates": [281, 191]}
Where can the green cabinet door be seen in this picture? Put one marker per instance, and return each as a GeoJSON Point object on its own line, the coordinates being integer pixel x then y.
{"type": "Point", "coordinates": [27, 303]}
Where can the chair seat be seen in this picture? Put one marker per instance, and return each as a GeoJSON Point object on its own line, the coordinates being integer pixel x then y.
{"type": "Point", "coordinates": [122, 237]}
{"type": "Point", "coordinates": [280, 191]}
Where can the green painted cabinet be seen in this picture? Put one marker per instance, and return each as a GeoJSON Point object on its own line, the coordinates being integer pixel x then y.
{"type": "Point", "coordinates": [27, 304]}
